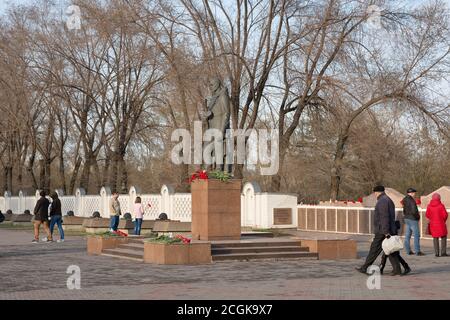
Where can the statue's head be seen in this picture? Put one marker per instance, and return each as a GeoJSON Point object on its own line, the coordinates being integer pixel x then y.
{"type": "Point", "coordinates": [214, 84]}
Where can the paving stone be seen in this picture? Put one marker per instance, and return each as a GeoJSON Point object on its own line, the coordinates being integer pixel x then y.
{"type": "Point", "coordinates": [38, 271]}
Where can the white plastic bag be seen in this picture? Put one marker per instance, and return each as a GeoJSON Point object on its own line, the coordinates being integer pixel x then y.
{"type": "Point", "coordinates": [392, 244]}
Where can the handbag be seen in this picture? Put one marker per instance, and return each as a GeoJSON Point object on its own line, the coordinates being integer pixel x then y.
{"type": "Point", "coordinates": [392, 244]}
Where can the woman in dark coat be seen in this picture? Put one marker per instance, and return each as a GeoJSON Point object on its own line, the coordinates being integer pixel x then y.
{"type": "Point", "coordinates": [437, 215]}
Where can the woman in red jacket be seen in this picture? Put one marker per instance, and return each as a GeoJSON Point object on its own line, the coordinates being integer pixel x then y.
{"type": "Point", "coordinates": [437, 214]}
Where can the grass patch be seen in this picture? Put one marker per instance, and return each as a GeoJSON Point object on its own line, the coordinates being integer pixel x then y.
{"type": "Point", "coordinates": [16, 227]}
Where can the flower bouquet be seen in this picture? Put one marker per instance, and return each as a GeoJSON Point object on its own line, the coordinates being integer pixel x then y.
{"type": "Point", "coordinates": [170, 240]}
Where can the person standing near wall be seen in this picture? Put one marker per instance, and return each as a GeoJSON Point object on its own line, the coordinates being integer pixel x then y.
{"type": "Point", "coordinates": [412, 217]}
{"type": "Point", "coordinates": [41, 217]}
{"type": "Point", "coordinates": [437, 214]}
{"type": "Point", "coordinates": [138, 215]}
{"type": "Point", "coordinates": [115, 212]}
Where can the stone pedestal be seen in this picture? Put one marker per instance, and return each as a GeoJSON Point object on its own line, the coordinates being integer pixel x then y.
{"type": "Point", "coordinates": [198, 252]}
{"type": "Point", "coordinates": [96, 244]}
{"type": "Point", "coordinates": [216, 209]}
{"type": "Point", "coordinates": [332, 249]}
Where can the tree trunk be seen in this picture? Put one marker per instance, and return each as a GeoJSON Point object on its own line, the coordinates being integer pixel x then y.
{"type": "Point", "coordinates": [41, 174]}
{"type": "Point", "coordinates": [123, 175]}
{"type": "Point", "coordinates": [113, 172]}
{"type": "Point", "coordinates": [10, 179]}
{"type": "Point", "coordinates": [48, 168]}
{"type": "Point", "coordinates": [20, 178]}
{"type": "Point", "coordinates": [85, 175]}
{"type": "Point", "coordinates": [275, 185]}
{"type": "Point", "coordinates": [5, 179]}
{"type": "Point", "coordinates": [335, 184]}
{"type": "Point", "coordinates": [336, 171]}
{"type": "Point", "coordinates": [73, 180]}
{"type": "Point", "coordinates": [30, 169]}
{"type": "Point", "coordinates": [62, 172]}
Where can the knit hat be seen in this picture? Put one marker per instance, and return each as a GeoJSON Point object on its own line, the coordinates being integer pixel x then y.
{"type": "Point", "coordinates": [378, 189]}
{"type": "Point", "coordinates": [436, 196]}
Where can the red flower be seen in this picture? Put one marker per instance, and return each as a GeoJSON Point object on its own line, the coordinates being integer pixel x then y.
{"type": "Point", "coordinates": [120, 233]}
{"type": "Point", "coordinates": [418, 202]}
{"type": "Point", "coordinates": [183, 239]}
{"type": "Point", "coordinates": [360, 200]}
{"type": "Point", "coordinates": [202, 175]}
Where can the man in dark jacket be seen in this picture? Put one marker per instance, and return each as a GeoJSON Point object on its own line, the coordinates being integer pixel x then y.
{"type": "Point", "coordinates": [383, 226]}
{"type": "Point", "coordinates": [41, 217]}
{"type": "Point", "coordinates": [412, 217]}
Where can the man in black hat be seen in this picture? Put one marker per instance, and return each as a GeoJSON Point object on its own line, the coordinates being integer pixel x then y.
{"type": "Point", "coordinates": [412, 217]}
{"type": "Point", "coordinates": [383, 226]}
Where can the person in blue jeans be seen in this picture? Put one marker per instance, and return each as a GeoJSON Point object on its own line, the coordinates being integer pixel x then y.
{"type": "Point", "coordinates": [412, 217]}
{"type": "Point", "coordinates": [114, 211]}
{"type": "Point", "coordinates": [56, 216]}
{"type": "Point", "coordinates": [138, 211]}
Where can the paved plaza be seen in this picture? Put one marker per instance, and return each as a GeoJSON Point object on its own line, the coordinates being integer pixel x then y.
{"type": "Point", "coordinates": [38, 271]}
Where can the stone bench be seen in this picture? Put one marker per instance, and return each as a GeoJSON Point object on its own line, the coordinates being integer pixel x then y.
{"type": "Point", "coordinates": [331, 249]}
{"type": "Point", "coordinates": [126, 226]}
{"type": "Point", "coordinates": [22, 219]}
{"type": "Point", "coordinates": [72, 223]}
{"type": "Point", "coordinates": [96, 225]}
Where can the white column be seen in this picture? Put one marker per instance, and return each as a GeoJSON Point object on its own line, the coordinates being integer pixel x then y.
{"type": "Point", "coordinates": [7, 196]}
{"type": "Point", "coordinates": [105, 197]}
{"type": "Point", "coordinates": [79, 203]}
{"type": "Point", "coordinates": [166, 200]}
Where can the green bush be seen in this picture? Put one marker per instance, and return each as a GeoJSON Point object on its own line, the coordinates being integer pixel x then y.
{"type": "Point", "coordinates": [220, 175]}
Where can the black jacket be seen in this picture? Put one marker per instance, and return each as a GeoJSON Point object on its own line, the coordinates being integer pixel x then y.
{"type": "Point", "coordinates": [55, 209]}
{"type": "Point", "coordinates": [41, 209]}
{"type": "Point", "coordinates": [410, 210]}
{"type": "Point", "coordinates": [384, 217]}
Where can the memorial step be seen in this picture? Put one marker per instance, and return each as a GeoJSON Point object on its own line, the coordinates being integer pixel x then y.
{"type": "Point", "coordinates": [133, 246]}
{"type": "Point", "coordinates": [265, 255]}
{"type": "Point", "coordinates": [124, 254]}
{"type": "Point", "coordinates": [248, 243]}
{"type": "Point", "coordinates": [258, 234]}
{"type": "Point", "coordinates": [136, 240]}
{"type": "Point", "coordinates": [233, 250]}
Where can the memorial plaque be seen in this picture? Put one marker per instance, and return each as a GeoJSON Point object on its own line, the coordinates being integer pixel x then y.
{"type": "Point", "coordinates": [282, 216]}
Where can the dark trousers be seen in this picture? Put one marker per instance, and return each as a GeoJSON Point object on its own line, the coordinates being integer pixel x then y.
{"type": "Point", "coordinates": [400, 260]}
{"type": "Point", "coordinates": [443, 246]}
{"type": "Point", "coordinates": [376, 249]}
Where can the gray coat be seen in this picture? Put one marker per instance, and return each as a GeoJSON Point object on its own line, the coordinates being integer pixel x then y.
{"type": "Point", "coordinates": [384, 217]}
